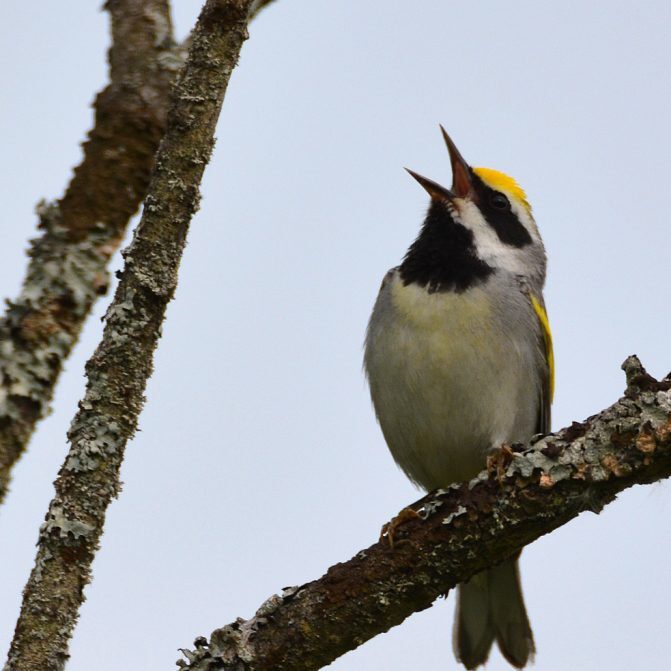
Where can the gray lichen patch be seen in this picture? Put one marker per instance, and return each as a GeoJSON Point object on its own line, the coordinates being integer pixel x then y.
{"type": "Point", "coordinates": [461, 510]}
{"type": "Point", "coordinates": [92, 441]}
{"type": "Point", "coordinates": [41, 326]}
{"type": "Point", "coordinates": [72, 270]}
{"type": "Point", "coordinates": [58, 521]}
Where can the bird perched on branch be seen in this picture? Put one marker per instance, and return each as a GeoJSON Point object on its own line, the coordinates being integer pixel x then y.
{"type": "Point", "coordinates": [459, 361]}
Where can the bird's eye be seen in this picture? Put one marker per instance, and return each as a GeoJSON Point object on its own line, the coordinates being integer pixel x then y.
{"type": "Point", "coordinates": [499, 201]}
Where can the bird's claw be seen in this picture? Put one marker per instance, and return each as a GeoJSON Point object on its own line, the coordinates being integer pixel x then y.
{"type": "Point", "coordinates": [497, 461]}
{"type": "Point", "coordinates": [389, 529]}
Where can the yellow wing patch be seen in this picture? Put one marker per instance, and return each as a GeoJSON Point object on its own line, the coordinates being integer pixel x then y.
{"type": "Point", "coordinates": [547, 337]}
{"type": "Point", "coordinates": [502, 182]}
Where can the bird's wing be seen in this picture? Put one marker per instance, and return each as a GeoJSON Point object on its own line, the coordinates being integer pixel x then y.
{"type": "Point", "coordinates": [548, 375]}
{"type": "Point", "coordinates": [387, 278]}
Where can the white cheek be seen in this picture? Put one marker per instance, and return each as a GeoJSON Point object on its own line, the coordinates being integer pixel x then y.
{"type": "Point", "coordinates": [526, 220]}
{"type": "Point", "coordinates": [487, 242]}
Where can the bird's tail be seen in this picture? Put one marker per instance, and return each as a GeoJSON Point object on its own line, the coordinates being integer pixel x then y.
{"type": "Point", "coordinates": [491, 606]}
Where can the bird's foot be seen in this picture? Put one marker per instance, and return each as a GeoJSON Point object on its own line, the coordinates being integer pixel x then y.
{"type": "Point", "coordinates": [498, 460]}
{"type": "Point", "coordinates": [388, 531]}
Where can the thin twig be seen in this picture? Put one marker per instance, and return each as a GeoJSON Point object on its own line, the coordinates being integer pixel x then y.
{"type": "Point", "coordinates": [258, 6]}
{"type": "Point", "coordinates": [119, 369]}
{"type": "Point", "coordinates": [68, 262]}
{"type": "Point", "coordinates": [524, 493]}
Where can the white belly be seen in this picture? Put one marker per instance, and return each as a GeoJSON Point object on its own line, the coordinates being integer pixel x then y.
{"type": "Point", "coordinates": [450, 379]}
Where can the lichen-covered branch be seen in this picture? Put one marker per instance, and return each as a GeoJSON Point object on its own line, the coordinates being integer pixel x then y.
{"type": "Point", "coordinates": [67, 269]}
{"type": "Point", "coordinates": [118, 370]}
{"type": "Point", "coordinates": [526, 491]}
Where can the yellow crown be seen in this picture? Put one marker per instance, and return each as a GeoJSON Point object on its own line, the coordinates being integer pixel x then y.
{"type": "Point", "coordinates": [502, 182]}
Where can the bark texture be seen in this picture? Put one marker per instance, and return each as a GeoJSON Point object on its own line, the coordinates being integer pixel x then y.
{"type": "Point", "coordinates": [118, 371]}
{"type": "Point", "coordinates": [525, 492]}
{"type": "Point", "coordinates": [67, 270]}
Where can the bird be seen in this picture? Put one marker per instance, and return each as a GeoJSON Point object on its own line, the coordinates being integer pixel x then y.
{"type": "Point", "coordinates": [459, 360]}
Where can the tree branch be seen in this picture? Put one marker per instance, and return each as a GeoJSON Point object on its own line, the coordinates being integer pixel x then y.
{"type": "Point", "coordinates": [119, 369]}
{"type": "Point", "coordinates": [258, 6]}
{"type": "Point", "coordinates": [67, 268]}
{"type": "Point", "coordinates": [524, 493]}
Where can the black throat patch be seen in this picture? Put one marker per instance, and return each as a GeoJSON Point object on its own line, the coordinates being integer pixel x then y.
{"type": "Point", "coordinates": [443, 257]}
{"type": "Point", "coordinates": [502, 219]}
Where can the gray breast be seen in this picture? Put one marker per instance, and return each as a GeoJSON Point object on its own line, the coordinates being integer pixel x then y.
{"type": "Point", "coordinates": [453, 374]}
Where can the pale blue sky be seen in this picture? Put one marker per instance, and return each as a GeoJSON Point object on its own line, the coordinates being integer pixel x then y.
{"type": "Point", "coordinates": [259, 463]}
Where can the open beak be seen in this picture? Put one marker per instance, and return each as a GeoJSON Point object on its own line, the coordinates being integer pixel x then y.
{"type": "Point", "coordinates": [435, 190]}
{"type": "Point", "coordinates": [461, 176]}
{"type": "Point", "coordinates": [461, 172]}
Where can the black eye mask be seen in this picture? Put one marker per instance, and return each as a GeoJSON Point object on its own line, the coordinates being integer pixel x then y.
{"type": "Point", "coordinates": [497, 211]}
